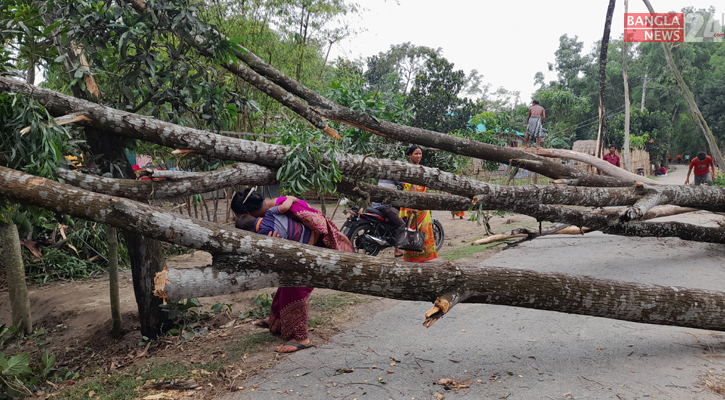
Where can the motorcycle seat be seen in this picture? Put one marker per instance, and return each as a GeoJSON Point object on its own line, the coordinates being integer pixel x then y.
{"type": "Point", "coordinates": [373, 210]}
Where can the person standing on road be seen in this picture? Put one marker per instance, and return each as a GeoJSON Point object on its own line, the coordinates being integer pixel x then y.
{"type": "Point", "coordinates": [534, 120]}
{"type": "Point", "coordinates": [701, 164]}
{"type": "Point", "coordinates": [422, 218]}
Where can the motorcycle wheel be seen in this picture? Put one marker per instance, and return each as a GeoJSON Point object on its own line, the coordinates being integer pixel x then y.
{"type": "Point", "coordinates": [438, 234]}
{"type": "Point", "coordinates": [360, 244]}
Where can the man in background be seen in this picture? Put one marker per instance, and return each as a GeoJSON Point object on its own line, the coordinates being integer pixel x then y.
{"type": "Point", "coordinates": [612, 157]}
{"type": "Point", "coordinates": [536, 117]}
{"type": "Point", "coordinates": [701, 164]}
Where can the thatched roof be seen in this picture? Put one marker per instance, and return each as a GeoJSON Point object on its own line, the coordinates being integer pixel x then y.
{"type": "Point", "coordinates": [585, 146]}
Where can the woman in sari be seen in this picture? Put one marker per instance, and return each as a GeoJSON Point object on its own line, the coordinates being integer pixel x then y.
{"type": "Point", "coordinates": [422, 218]}
{"type": "Point", "coordinates": [288, 317]}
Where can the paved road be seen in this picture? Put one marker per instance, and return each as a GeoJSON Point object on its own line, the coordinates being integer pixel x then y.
{"type": "Point", "coordinates": [515, 353]}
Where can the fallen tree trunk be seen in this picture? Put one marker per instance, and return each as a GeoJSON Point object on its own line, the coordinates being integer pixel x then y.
{"type": "Point", "coordinates": [562, 229]}
{"type": "Point", "coordinates": [611, 170]}
{"type": "Point", "coordinates": [261, 261]}
{"type": "Point", "coordinates": [192, 182]}
{"type": "Point", "coordinates": [490, 197]}
{"type": "Point", "coordinates": [536, 201]}
{"type": "Point", "coordinates": [530, 233]}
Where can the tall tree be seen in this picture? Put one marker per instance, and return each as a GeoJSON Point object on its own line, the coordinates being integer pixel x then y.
{"type": "Point", "coordinates": [113, 281]}
{"type": "Point", "coordinates": [434, 97]}
{"type": "Point", "coordinates": [625, 147]}
{"type": "Point", "coordinates": [602, 133]}
{"type": "Point", "coordinates": [395, 70]}
{"type": "Point", "coordinates": [694, 109]}
{"type": "Point", "coordinates": [15, 271]}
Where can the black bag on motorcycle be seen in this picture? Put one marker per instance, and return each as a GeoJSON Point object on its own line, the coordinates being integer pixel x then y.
{"type": "Point", "coordinates": [410, 239]}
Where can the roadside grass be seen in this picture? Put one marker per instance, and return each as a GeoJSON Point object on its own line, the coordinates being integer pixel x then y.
{"type": "Point", "coordinates": [252, 344]}
{"type": "Point", "coordinates": [126, 386]}
{"type": "Point", "coordinates": [334, 304]}
{"type": "Point", "coordinates": [335, 301]}
{"type": "Point", "coordinates": [468, 251]}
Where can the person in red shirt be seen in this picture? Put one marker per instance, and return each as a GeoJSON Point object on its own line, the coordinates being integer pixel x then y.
{"type": "Point", "coordinates": [701, 164]}
{"type": "Point", "coordinates": [612, 156]}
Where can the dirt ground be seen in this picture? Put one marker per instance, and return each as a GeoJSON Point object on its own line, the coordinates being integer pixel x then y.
{"type": "Point", "coordinates": [72, 322]}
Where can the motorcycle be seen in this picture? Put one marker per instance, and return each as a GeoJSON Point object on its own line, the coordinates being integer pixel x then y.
{"type": "Point", "coordinates": [370, 232]}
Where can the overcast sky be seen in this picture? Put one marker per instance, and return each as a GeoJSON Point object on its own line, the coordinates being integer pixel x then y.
{"type": "Point", "coordinates": [507, 42]}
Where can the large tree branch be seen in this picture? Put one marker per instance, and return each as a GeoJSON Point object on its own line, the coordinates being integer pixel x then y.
{"type": "Point", "coordinates": [534, 202]}
{"type": "Point", "coordinates": [261, 261]}
{"type": "Point", "coordinates": [611, 170]}
{"type": "Point", "coordinates": [194, 183]}
{"type": "Point", "coordinates": [521, 199]}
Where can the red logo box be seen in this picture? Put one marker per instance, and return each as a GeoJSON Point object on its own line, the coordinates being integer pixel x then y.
{"type": "Point", "coordinates": [659, 27]}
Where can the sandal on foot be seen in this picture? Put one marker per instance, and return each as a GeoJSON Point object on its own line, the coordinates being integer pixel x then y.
{"type": "Point", "coordinates": [299, 347]}
{"type": "Point", "coordinates": [261, 323]}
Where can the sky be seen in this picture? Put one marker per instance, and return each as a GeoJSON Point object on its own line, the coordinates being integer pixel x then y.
{"type": "Point", "coordinates": [507, 42]}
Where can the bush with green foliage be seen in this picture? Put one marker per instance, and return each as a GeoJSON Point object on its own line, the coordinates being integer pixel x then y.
{"type": "Point", "coordinates": [188, 315]}
{"type": "Point", "coordinates": [19, 379]}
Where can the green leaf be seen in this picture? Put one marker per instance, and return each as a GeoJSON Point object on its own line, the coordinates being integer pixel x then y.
{"type": "Point", "coordinates": [188, 335]}
{"type": "Point", "coordinates": [18, 365]}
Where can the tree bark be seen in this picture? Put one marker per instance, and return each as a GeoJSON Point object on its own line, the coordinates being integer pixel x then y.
{"type": "Point", "coordinates": [694, 109]}
{"type": "Point", "coordinates": [598, 163]}
{"type": "Point", "coordinates": [113, 281]}
{"type": "Point", "coordinates": [147, 259]}
{"type": "Point", "coordinates": [602, 133]}
{"type": "Point", "coordinates": [522, 199]}
{"type": "Point", "coordinates": [262, 261]}
{"type": "Point", "coordinates": [18, 290]}
{"type": "Point", "coordinates": [584, 295]}
{"type": "Point", "coordinates": [174, 185]}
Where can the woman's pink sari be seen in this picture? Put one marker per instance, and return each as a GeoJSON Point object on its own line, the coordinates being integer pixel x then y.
{"type": "Point", "coordinates": [319, 223]}
{"type": "Point", "coordinates": [289, 316]}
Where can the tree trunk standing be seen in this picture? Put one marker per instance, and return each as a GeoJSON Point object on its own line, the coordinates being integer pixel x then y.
{"type": "Point", "coordinates": [31, 74]}
{"type": "Point", "coordinates": [644, 92]}
{"type": "Point", "coordinates": [113, 280]}
{"type": "Point", "coordinates": [18, 290]}
{"type": "Point", "coordinates": [111, 147]}
{"type": "Point", "coordinates": [625, 148]}
{"type": "Point", "coordinates": [146, 260]}
{"type": "Point", "coordinates": [694, 109]}
{"type": "Point", "coordinates": [602, 133]}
